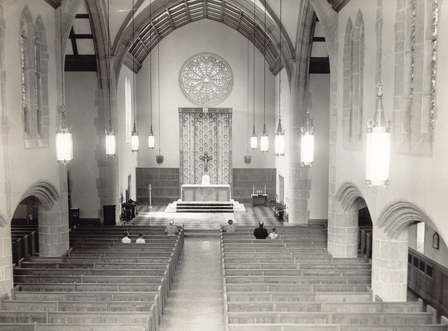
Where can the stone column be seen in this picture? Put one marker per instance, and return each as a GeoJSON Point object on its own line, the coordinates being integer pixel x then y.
{"type": "Point", "coordinates": [6, 279]}
{"type": "Point", "coordinates": [390, 265]}
{"type": "Point", "coordinates": [53, 230]}
{"type": "Point", "coordinates": [343, 231]}
{"type": "Point", "coordinates": [299, 178]}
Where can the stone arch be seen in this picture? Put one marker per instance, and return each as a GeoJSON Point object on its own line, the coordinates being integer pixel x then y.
{"type": "Point", "coordinates": [45, 192]}
{"type": "Point", "coordinates": [343, 222]}
{"type": "Point", "coordinates": [398, 215]}
{"type": "Point", "coordinates": [347, 195]}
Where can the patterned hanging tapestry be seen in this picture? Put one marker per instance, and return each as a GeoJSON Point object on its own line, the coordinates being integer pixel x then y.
{"type": "Point", "coordinates": [205, 145]}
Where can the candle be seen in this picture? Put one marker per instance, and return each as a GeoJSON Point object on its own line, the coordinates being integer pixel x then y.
{"type": "Point", "coordinates": [265, 189]}
{"type": "Point", "coordinates": [253, 189]}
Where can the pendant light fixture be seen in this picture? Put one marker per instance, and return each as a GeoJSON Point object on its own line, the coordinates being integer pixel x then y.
{"type": "Point", "coordinates": [247, 157]}
{"type": "Point", "coordinates": [110, 134]}
{"type": "Point", "coordinates": [64, 141]}
{"type": "Point", "coordinates": [307, 142]}
{"type": "Point", "coordinates": [159, 157]}
{"type": "Point", "coordinates": [378, 145]}
{"type": "Point", "coordinates": [134, 133]}
{"type": "Point", "coordinates": [279, 133]}
{"type": "Point", "coordinates": [264, 140]}
{"type": "Point", "coordinates": [254, 138]}
{"type": "Point", "coordinates": [151, 138]}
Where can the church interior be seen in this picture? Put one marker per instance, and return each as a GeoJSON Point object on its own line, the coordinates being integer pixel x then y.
{"type": "Point", "coordinates": [320, 120]}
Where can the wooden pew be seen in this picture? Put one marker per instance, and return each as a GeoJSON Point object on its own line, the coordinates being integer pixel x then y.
{"type": "Point", "coordinates": [72, 327]}
{"type": "Point", "coordinates": [334, 327]}
{"type": "Point", "coordinates": [113, 286]}
{"type": "Point", "coordinates": [83, 296]}
{"type": "Point", "coordinates": [301, 296]}
{"type": "Point", "coordinates": [299, 280]}
{"type": "Point", "coordinates": [330, 318]}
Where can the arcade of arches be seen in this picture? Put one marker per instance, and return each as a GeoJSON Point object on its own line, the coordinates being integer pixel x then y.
{"type": "Point", "coordinates": [100, 63]}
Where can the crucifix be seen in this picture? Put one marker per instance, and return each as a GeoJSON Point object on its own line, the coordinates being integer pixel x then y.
{"type": "Point", "coordinates": [205, 158]}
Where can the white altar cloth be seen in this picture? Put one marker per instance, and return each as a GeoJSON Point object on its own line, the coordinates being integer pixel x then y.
{"type": "Point", "coordinates": [197, 192]}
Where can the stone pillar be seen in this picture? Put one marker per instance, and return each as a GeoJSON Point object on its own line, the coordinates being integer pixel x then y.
{"type": "Point", "coordinates": [343, 231]}
{"type": "Point", "coordinates": [6, 279]}
{"type": "Point", "coordinates": [390, 265]}
{"type": "Point", "coordinates": [299, 178]}
{"type": "Point", "coordinates": [53, 231]}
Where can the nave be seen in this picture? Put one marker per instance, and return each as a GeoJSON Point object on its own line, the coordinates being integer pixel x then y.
{"type": "Point", "coordinates": [203, 281]}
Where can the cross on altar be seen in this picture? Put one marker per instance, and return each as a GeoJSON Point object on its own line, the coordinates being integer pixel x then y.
{"type": "Point", "coordinates": [205, 158]}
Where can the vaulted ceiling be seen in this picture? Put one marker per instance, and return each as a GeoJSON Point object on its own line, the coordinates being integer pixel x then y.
{"type": "Point", "coordinates": [146, 32]}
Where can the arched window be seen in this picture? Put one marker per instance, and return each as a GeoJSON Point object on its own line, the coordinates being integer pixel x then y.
{"type": "Point", "coordinates": [34, 81]}
{"type": "Point", "coordinates": [24, 71]}
{"type": "Point", "coordinates": [415, 81]}
{"type": "Point", "coordinates": [41, 118]}
{"type": "Point", "coordinates": [128, 107]}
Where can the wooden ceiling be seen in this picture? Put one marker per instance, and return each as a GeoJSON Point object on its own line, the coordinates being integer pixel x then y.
{"type": "Point", "coordinates": [183, 13]}
{"type": "Point", "coordinates": [189, 11]}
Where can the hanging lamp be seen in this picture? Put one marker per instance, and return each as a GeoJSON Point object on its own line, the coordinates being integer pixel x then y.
{"type": "Point", "coordinates": [134, 133]}
{"type": "Point", "coordinates": [110, 134]}
{"type": "Point", "coordinates": [254, 138]}
{"type": "Point", "coordinates": [64, 140]}
{"type": "Point", "coordinates": [279, 133]}
{"type": "Point", "coordinates": [307, 142]}
{"type": "Point", "coordinates": [378, 145]}
{"type": "Point", "coordinates": [247, 157]}
{"type": "Point", "coordinates": [151, 138]}
{"type": "Point", "coordinates": [264, 140]}
{"type": "Point", "coordinates": [159, 157]}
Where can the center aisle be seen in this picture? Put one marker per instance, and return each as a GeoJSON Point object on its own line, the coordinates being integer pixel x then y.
{"type": "Point", "coordinates": [196, 299]}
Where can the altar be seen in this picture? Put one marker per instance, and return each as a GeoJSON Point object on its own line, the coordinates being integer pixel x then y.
{"type": "Point", "coordinates": [198, 192]}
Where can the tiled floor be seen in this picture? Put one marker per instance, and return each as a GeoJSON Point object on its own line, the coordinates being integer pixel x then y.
{"type": "Point", "coordinates": [207, 221]}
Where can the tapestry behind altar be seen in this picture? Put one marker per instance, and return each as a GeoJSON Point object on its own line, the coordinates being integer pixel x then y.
{"type": "Point", "coordinates": [211, 132]}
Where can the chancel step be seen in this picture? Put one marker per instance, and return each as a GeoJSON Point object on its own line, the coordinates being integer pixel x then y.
{"type": "Point", "coordinates": [207, 207]}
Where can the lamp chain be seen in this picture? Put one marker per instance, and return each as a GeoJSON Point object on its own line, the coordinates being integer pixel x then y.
{"type": "Point", "coordinates": [254, 72]}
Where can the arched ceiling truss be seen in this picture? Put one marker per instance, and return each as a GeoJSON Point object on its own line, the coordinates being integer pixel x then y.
{"type": "Point", "coordinates": [132, 47]}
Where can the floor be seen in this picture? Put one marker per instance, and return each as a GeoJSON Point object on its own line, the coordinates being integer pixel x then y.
{"type": "Point", "coordinates": [156, 215]}
{"type": "Point", "coordinates": [196, 299]}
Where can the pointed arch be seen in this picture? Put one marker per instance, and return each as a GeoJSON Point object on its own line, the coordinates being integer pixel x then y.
{"type": "Point", "coordinates": [398, 215]}
{"type": "Point", "coordinates": [347, 195]}
{"type": "Point", "coordinates": [45, 192]}
{"type": "Point", "coordinates": [26, 35]}
{"type": "Point", "coordinates": [42, 114]}
{"type": "Point", "coordinates": [149, 31]}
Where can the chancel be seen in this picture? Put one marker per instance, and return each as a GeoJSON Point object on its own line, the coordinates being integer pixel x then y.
{"type": "Point", "coordinates": [354, 92]}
